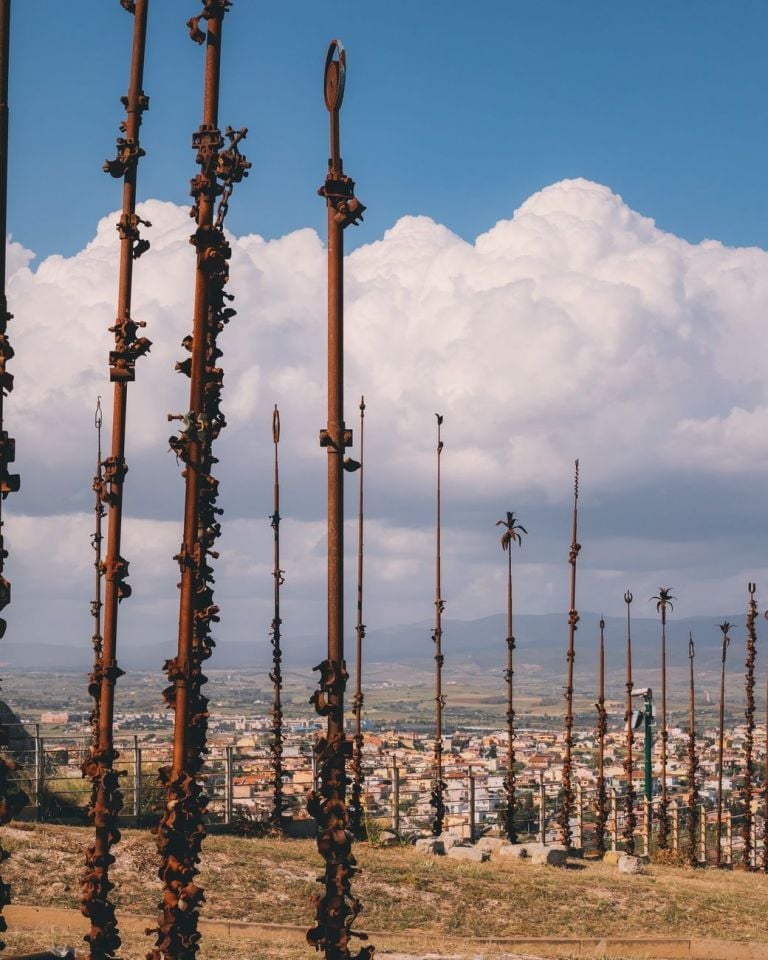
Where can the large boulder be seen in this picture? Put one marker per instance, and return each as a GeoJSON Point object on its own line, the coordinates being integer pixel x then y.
{"type": "Point", "coordinates": [451, 840]}
{"type": "Point", "coordinates": [473, 854]}
{"type": "Point", "coordinates": [554, 856]}
{"type": "Point", "coordinates": [491, 844]}
{"type": "Point", "coordinates": [430, 846]}
{"type": "Point", "coordinates": [612, 857]}
{"type": "Point", "coordinates": [516, 850]}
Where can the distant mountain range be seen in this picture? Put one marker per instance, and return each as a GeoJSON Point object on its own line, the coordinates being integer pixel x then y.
{"type": "Point", "coordinates": [541, 643]}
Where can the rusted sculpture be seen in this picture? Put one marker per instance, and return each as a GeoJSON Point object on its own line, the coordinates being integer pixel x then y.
{"type": "Point", "coordinates": [566, 810]}
{"type": "Point", "coordinates": [663, 600]}
{"type": "Point", "coordinates": [358, 775]}
{"type": "Point", "coordinates": [693, 760]}
{"type": "Point", "coordinates": [438, 783]}
{"type": "Point", "coordinates": [276, 674]}
{"type": "Point", "coordinates": [630, 816]}
{"type": "Point", "coordinates": [749, 737]}
{"type": "Point", "coordinates": [181, 830]}
{"type": "Point", "coordinates": [106, 799]}
{"type": "Point", "coordinates": [513, 531]}
{"type": "Point", "coordinates": [337, 908]}
{"type": "Point", "coordinates": [96, 604]}
{"type": "Point", "coordinates": [12, 800]}
{"type": "Point", "coordinates": [724, 627]}
{"type": "Point", "coordinates": [602, 729]}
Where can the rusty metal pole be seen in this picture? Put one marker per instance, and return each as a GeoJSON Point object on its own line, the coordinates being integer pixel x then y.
{"type": "Point", "coordinates": [358, 777]}
{"type": "Point", "coordinates": [724, 627]}
{"type": "Point", "coordinates": [749, 739]}
{"type": "Point", "coordinates": [630, 816]}
{"type": "Point", "coordinates": [438, 785]}
{"type": "Point", "coordinates": [276, 675]}
{"type": "Point", "coordinates": [693, 760]}
{"type": "Point", "coordinates": [181, 830]}
{"type": "Point", "coordinates": [512, 533]}
{"type": "Point", "coordinates": [337, 908]}
{"type": "Point", "coordinates": [765, 790]}
{"type": "Point", "coordinates": [664, 600]}
{"type": "Point", "coordinates": [106, 798]}
{"type": "Point", "coordinates": [566, 809]}
{"type": "Point", "coordinates": [602, 729]}
{"type": "Point", "coordinates": [96, 604]}
{"type": "Point", "coordinates": [12, 800]}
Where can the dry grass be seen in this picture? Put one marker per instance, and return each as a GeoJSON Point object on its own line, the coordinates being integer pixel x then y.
{"type": "Point", "coordinates": [273, 880]}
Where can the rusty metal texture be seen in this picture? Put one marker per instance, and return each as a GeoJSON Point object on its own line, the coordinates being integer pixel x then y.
{"type": "Point", "coordinates": [693, 759]}
{"type": "Point", "coordinates": [12, 800]}
{"type": "Point", "coordinates": [337, 908]}
{"type": "Point", "coordinates": [749, 736]}
{"type": "Point", "coordinates": [602, 729]}
{"type": "Point", "coordinates": [181, 830]}
{"type": "Point", "coordinates": [276, 674]}
{"type": "Point", "coordinates": [663, 600]}
{"type": "Point", "coordinates": [566, 809]}
{"type": "Point", "coordinates": [97, 539]}
{"type": "Point", "coordinates": [358, 776]}
{"type": "Point", "coordinates": [630, 816]}
{"type": "Point", "coordinates": [106, 799]}
{"type": "Point", "coordinates": [439, 785]}
{"type": "Point", "coordinates": [765, 787]}
{"type": "Point", "coordinates": [513, 531]}
{"type": "Point", "coordinates": [724, 628]}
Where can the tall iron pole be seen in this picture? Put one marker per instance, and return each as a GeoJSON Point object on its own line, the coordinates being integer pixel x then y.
{"type": "Point", "coordinates": [106, 799]}
{"type": "Point", "coordinates": [749, 739]}
{"type": "Point", "coordinates": [693, 760]}
{"type": "Point", "coordinates": [513, 531]}
{"type": "Point", "coordinates": [337, 908]}
{"type": "Point", "coordinates": [573, 618]}
{"type": "Point", "coordinates": [602, 729]}
{"type": "Point", "coordinates": [181, 830]}
{"type": "Point", "coordinates": [724, 627]}
{"type": "Point", "coordinates": [97, 539]}
{"type": "Point", "coordinates": [276, 675]}
{"type": "Point", "coordinates": [630, 817]}
{"type": "Point", "coordinates": [438, 785]}
{"type": "Point", "coordinates": [358, 777]}
{"type": "Point", "coordinates": [664, 600]}
{"type": "Point", "coordinates": [765, 789]}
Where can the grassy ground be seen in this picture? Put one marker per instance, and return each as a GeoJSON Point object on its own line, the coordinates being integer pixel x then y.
{"type": "Point", "coordinates": [403, 892]}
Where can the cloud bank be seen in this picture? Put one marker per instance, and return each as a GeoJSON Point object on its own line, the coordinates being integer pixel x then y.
{"type": "Point", "coordinates": [574, 328]}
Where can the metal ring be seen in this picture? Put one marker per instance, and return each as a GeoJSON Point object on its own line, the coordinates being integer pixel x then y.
{"type": "Point", "coordinates": [335, 75]}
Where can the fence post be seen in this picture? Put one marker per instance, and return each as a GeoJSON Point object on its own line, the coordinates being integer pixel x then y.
{"type": "Point", "coordinates": [702, 835]}
{"type": "Point", "coordinates": [579, 835]}
{"type": "Point", "coordinates": [675, 811]}
{"type": "Point", "coordinates": [471, 777]}
{"type": "Point", "coordinates": [395, 796]}
{"type": "Point", "coordinates": [228, 793]}
{"type": "Point", "coordinates": [39, 774]}
{"type": "Point", "coordinates": [542, 810]}
{"type": "Point", "coordinates": [728, 817]}
{"type": "Point", "coordinates": [136, 781]}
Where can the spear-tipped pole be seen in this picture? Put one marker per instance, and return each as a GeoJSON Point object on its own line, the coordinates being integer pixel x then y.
{"type": "Point", "coordinates": [181, 830]}
{"type": "Point", "coordinates": [438, 784]}
{"type": "Point", "coordinates": [513, 531]}
{"type": "Point", "coordinates": [749, 738]}
{"type": "Point", "coordinates": [337, 907]}
{"type": "Point", "coordinates": [630, 816]}
{"type": "Point", "coordinates": [693, 760]}
{"type": "Point", "coordinates": [106, 799]}
{"type": "Point", "coordinates": [663, 600]}
{"type": "Point", "coordinates": [573, 618]}
{"type": "Point", "coordinates": [358, 778]}
{"type": "Point", "coordinates": [724, 627]}
{"type": "Point", "coordinates": [96, 605]}
{"type": "Point", "coordinates": [602, 729]}
{"type": "Point", "coordinates": [276, 675]}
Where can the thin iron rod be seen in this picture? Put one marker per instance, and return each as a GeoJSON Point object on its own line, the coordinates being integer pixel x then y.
{"type": "Point", "coordinates": [630, 817]}
{"type": "Point", "coordinates": [276, 675]}
{"type": "Point", "coordinates": [438, 785]}
{"type": "Point", "coordinates": [602, 729]}
{"type": "Point", "coordinates": [358, 775]}
{"type": "Point", "coordinates": [724, 627]}
{"type": "Point", "coordinates": [749, 738]}
{"type": "Point", "coordinates": [693, 760]}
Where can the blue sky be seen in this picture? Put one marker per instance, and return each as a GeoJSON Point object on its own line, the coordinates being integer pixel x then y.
{"type": "Point", "coordinates": [453, 112]}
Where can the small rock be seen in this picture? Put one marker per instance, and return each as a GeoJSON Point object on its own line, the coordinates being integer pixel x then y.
{"type": "Point", "coordinates": [628, 864]}
{"type": "Point", "coordinates": [388, 838]}
{"type": "Point", "coordinates": [518, 850]}
{"type": "Point", "coordinates": [554, 856]}
{"type": "Point", "coordinates": [469, 853]}
{"type": "Point", "coordinates": [430, 846]}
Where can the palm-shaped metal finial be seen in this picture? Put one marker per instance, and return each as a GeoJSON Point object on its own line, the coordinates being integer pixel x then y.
{"type": "Point", "coordinates": [512, 532]}
{"type": "Point", "coordinates": [664, 599]}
